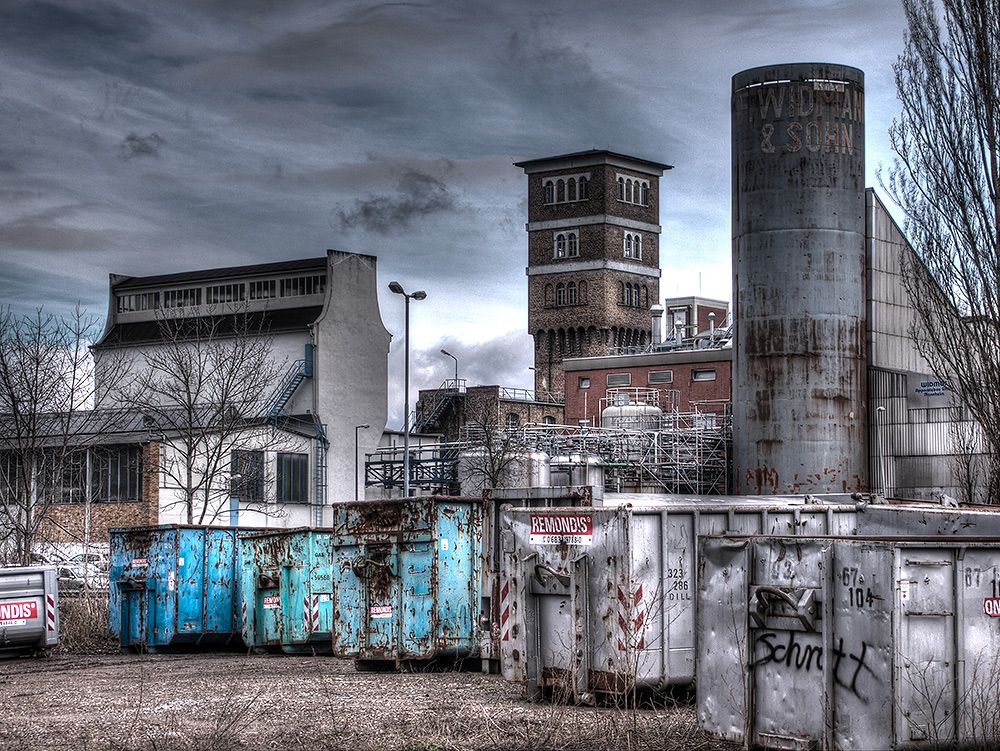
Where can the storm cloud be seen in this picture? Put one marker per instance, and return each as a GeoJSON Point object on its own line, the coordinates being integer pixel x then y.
{"type": "Point", "coordinates": [417, 195]}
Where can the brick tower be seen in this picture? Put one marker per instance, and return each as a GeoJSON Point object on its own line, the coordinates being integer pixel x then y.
{"type": "Point", "coordinates": [593, 256]}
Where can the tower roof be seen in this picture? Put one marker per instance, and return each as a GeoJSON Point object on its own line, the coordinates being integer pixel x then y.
{"type": "Point", "coordinates": [590, 158]}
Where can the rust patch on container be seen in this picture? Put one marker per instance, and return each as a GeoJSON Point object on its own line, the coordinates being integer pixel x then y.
{"type": "Point", "coordinates": [609, 682]}
{"type": "Point", "coordinates": [379, 575]}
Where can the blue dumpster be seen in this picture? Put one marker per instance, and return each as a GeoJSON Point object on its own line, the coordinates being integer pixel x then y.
{"type": "Point", "coordinates": [406, 579]}
{"type": "Point", "coordinates": [285, 578]}
{"type": "Point", "coordinates": [175, 586]}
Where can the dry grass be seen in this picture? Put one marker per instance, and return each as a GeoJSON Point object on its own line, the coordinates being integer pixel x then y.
{"type": "Point", "coordinates": [83, 625]}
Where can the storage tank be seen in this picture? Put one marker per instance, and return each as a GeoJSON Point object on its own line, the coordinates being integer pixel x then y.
{"type": "Point", "coordinates": [577, 469]}
{"type": "Point", "coordinates": [799, 279]}
{"type": "Point", "coordinates": [519, 469]}
{"type": "Point", "coordinates": [632, 416]}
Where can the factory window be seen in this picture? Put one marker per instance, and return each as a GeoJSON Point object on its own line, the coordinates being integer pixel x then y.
{"type": "Point", "coordinates": [660, 376]}
{"type": "Point", "coordinates": [142, 301]}
{"type": "Point", "coordinates": [548, 420]}
{"type": "Point", "coordinates": [293, 475]}
{"type": "Point", "coordinates": [582, 192]}
{"type": "Point", "coordinates": [246, 475]}
{"type": "Point", "coordinates": [584, 382]}
{"type": "Point", "coordinates": [619, 379]}
{"type": "Point", "coordinates": [704, 374]}
{"type": "Point", "coordinates": [182, 298]}
{"type": "Point", "coordinates": [303, 285]}
{"type": "Point", "coordinates": [550, 192]}
{"type": "Point", "coordinates": [560, 294]}
{"type": "Point", "coordinates": [116, 474]}
{"type": "Point", "coordinates": [571, 293]}
{"type": "Point", "coordinates": [512, 420]}
{"type": "Point", "coordinates": [263, 290]}
{"type": "Point", "coordinates": [633, 245]}
{"type": "Point", "coordinates": [222, 293]}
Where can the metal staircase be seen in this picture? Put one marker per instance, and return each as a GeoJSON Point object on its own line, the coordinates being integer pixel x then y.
{"type": "Point", "coordinates": [279, 399]}
{"type": "Point", "coordinates": [448, 393]}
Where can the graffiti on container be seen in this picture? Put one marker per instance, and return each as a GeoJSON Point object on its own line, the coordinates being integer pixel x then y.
{"type": "Point", "coordinates": [791, 652]}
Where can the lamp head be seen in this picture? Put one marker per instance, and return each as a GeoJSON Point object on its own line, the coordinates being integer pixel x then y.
{"type": "Point", "coordinates": [397, 288]}
{"type": "Point", "coordinates": [419, 295]}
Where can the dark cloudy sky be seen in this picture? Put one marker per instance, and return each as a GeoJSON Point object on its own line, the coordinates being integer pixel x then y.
{"type": "Point", "coordinates": [151, 137]}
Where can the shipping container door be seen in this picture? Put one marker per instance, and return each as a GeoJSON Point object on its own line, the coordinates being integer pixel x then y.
{"type": "Point", "coordinates": [418, 595]}
{"type": "Point", "coordinates": [269, 610]}
{"type": "Point", "coordinates": [927, 658]}
{"type": "Point", "coordinates": [980, 600]}
{"type": "Point", "coordinates": [557, 613]}
{"type": "Point", "coordinates": [348, 597]}
{"type": "Point", "coordinates": [135, 613]}
{"type": "Point", "coordinates": [220, 582]}
{"type": "Point", "coordinates": [382, 600]}
{"type": "Point", "coordinates": [789, 691]}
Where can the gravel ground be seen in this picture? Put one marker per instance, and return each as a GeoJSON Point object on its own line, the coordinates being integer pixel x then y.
{"type": "Point", "coordinates": [217, 701]}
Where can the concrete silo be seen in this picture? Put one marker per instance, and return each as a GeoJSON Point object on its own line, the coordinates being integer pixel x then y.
{"type": "Point", "coordinates": [799, 279]}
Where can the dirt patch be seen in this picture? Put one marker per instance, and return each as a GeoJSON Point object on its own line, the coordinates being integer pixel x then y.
{"type": "Point", "coordinates": [225, 701]}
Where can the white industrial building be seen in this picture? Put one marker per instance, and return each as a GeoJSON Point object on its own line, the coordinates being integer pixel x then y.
{"type": "Point", "coordinates": [322, 320]}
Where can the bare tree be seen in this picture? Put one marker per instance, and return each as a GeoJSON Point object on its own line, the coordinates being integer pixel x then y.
{"type": "Point", "coordinates": [495, 457]}
{"type": "Point", "coordinates": [204, 389]}
{"type": "Point", "coordinates": [946, 178]}
{"type": "Point", "coordinates": [50, 414]}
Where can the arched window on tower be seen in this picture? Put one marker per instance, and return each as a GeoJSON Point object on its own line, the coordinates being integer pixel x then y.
{"type": "Point", "coordinates": [621, 188]}
{"type": "Point", "coordinates": [560, 191]}
{"type": "Point", "coordinates": [628, 245]}
{"type": "Point", "coordinates": [550, 192]}
{"type": "Point", "coordinates": [560, 245]}
{"type": "Point", "coordinates": [571, 293]}
{"type": "Point", "coordinates": [571, 189]}
{"type": "Point", "coordinates": [573, 246]}
{"type": "Point", "coordinates": [644, 195]}
{"type": "Point", "coordinates": [628, 295]}
{"type": "Point", "coordinates": [583, 188]}
{"type": "Point", "coordinates": [560, 294]}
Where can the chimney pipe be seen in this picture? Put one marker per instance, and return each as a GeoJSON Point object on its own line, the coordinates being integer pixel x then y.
{"type": "Point", "coordinates": [657, 325]}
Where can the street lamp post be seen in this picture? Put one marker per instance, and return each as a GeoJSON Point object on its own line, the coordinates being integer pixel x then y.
{"type": "Point", "coordinates": [418, 295]}
{"type": "Point", "coordinates": [357, 450]}
{"type": "Point", "coordinates": [449, 354]}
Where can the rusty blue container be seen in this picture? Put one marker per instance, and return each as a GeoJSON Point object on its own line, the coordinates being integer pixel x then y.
{"type": "Point", "coordinates": [287, 590]}
{"type": "Point", "coordinates": [406, 579]}
{"type": "Point", "coordinates": [175, 586]}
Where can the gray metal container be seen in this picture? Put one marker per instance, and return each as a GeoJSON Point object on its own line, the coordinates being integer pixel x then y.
{"type": "Point", "coordinates": [29, 610]}
{"type": "Point", "coordinates": [799, 269]}
{"type": "Point", "coordinates": [613, 609]}
{"type": "Point", "coordinates": [846, 643]}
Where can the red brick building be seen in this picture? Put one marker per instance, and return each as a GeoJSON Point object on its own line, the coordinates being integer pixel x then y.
{"type": "Point", "coordinates": [690, 380]}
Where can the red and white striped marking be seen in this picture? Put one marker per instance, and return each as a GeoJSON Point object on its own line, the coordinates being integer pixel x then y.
{"type": "Point", "coordinates": [312, 611]}
{"type": "Point", "coordinates": [505, 612]}
{"type": "Point", "coordinates": [631, 628]}
{"type": "Point", "coordinates": [50, 612]}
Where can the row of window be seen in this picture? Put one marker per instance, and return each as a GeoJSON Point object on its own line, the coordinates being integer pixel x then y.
{"type": "Point", "coordinates": [569, 293]}
{"type": "Point", "coordinates": [115, 474]}
{"type": "Point", "coordinates": [654, 377]}
{"type": "Point", "coordinates": [248, 477]}
{"type": "Point", "coordinates": [567, 189]}
{"type": "Point", "coordinates": [512, 420]}
{"type": "Point", "coordinates": [576, 187]}
{"type": "Point", "coordinates": [313, 284]}
{"type": "Point", "coordinates": [633, 190]}
{"type": "Point", "coordinates": [567, 245]}
{"type": "Point", "coordinates": [633, 295]}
